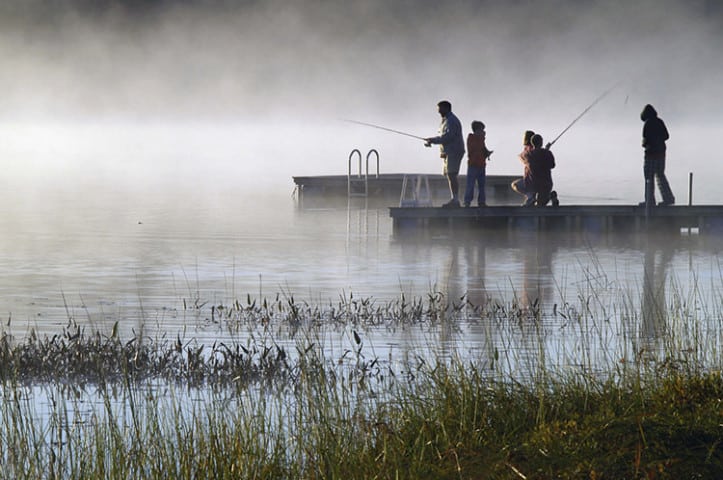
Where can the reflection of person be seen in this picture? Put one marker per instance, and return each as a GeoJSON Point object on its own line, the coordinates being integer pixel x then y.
{"type": "Point", "coordinates": [538, 288]}
{"type": "Point", "coordinates": [654, 136]}
{"type": "Point", "coordinates": [477, 155]}
{"type": "Point", "coordinates": [653, 305]}
{"type": "Point", "coordinates": [541, 161]}
{"type": "Point", "coordinates": [475, 262]}
{"type": "Point", "coordinates": [451, 147]}
{"type": "Point", "coordinates": [523, 185]}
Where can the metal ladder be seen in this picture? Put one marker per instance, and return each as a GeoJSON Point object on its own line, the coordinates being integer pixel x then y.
{"type": "Point", "coordinates": [419, 194]}
{"type": "Point", "coordinates": [358, 185]}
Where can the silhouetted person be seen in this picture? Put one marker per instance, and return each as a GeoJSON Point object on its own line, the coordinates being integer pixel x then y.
{"type": "Point", "coordinates": [451, 148]}
{"type": "Point", "coordinates": [523, 185]}
{"type": "Point", "coordinates": [541, 161]}
{"type": "Point", "coordinates": [654, 136]}
{"type": "Point", "coordinates": [477, 155]}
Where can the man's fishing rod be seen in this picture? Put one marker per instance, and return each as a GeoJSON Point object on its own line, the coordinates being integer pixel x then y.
{"type": "Point", "coordinates": [605, 93]}
{"type": "Point", "coordinates": [385, 128]}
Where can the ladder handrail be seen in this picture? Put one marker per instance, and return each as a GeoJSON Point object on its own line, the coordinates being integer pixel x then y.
{"type": "Point", "coordinates": [359, 176]}
{"type": "Point", "coordinates": [404, 190]}
{"type": "Point", "coordinates": [348, 176]}
{"type": "Point", "coordinates": [369, 154]}
{"type": "Point", "coordinates": [416, 183]}
{"type": "Point", "coordinates": [351, 154]}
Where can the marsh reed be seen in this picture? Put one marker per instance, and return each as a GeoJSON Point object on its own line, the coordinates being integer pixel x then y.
{"type": "Point", "coordinates": [591, 387]}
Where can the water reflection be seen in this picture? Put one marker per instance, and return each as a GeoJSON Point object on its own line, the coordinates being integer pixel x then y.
{"type": "Point", "coordinates": [485, 265]}
{"type": "Point", "coordinates": [537, 271]}
{"type": "Point", "coordinates": [654, 309]}
{"type": "Point", "coordinates": [520, 265]}
{"type": "Point", "coordinates": [165, 273]}
{"type": "Point", "coordinates": [581, 300]}
{"type": "Point", "coordinates": [474, 256]}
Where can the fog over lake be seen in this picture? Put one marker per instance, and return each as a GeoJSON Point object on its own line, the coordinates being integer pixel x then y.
{"type": "Point", "coordinates": [148, 149]}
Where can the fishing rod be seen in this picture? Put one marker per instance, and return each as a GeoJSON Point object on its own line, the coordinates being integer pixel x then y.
{"type": "Point", "coordinates": [604, 94]}
{"type": "Point", "coordinates": [384, 128]}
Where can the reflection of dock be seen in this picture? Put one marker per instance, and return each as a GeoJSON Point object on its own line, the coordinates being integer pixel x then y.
{"type": "Point", "coordinates": [578, 218]}
{"type": "Point", "coordinates": [323, 188]}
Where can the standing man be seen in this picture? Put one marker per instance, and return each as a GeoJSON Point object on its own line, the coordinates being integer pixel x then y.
{"type": "Point", "coordinates": [654, 136]}
{"type": "Point", "coordinates": [451, 148]}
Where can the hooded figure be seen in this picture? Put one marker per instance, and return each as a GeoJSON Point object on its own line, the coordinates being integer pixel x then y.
{"type": "Point", "coordinates": [654, 136]}
{"type": "Point", "coordinates": [654, 132]}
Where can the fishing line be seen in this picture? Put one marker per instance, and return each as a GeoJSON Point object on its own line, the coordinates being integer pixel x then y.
{"type": "Point", "coordinates": [604, 94]}
{"type": "Point", "coordinates": [384, 128]}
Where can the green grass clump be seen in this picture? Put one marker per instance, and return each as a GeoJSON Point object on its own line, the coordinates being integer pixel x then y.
{"type": "Point", "coordinates": [451, 420]}
{"type": "Point", "coordinates": [76, 357]}
{"type": "Point", "coordinates": [461, 425]}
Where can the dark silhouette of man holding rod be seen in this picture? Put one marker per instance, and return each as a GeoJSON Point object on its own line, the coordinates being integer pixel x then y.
{"type": "Point", "coordinates": [451, 149]}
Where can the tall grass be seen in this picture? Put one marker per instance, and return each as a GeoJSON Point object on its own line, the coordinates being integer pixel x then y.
{"type": "Point", "coordinates": [451, 421]}
{"type": "Point", "coordinates": [584, 388]}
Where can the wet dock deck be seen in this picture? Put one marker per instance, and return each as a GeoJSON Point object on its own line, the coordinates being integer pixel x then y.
{"type": "Point", "coordinates": [591, 218]}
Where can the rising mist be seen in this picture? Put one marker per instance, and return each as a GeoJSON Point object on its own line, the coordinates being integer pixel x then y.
{"type": "Point", "coordinates": [292, 70]}
{"type": "Point", "coordinates": [319, 58]}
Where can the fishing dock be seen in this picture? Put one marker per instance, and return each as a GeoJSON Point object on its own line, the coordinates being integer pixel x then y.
{"type": "Point", "coordinates": [596, 219]}
{"type": "Point", "coordinates": [417, 193]}
{"type": "Point", "coordinates": [323, 189]}
{"type": "Point", "coordinates": [406, 189]}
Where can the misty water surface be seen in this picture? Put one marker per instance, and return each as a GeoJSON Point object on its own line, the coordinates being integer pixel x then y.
{"type": "Point", "coordinates": [148, 150]}
{"type": "Point", "coordinates": [140, 225]}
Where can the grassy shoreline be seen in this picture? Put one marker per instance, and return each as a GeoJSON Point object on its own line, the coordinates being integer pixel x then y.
{"type": "Point", "coordinates": [451, 421]}
{"type": "Point", "coordinates": [135, 408]}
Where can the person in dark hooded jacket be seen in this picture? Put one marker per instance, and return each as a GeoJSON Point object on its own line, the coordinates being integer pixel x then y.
{"type": "Point", "coordinates": [541, 162]}
{"type": "Point", "coordinates": [654, 136]}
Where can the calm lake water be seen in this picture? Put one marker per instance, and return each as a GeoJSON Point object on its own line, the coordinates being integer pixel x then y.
{"type": "Point", "coordinates": [137, 224]}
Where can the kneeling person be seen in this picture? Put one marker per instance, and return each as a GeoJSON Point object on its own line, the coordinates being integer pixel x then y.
{"type": "Point", "coordinates": [523, 185]}
{"type": "Point", "coordinates": [541, 162]}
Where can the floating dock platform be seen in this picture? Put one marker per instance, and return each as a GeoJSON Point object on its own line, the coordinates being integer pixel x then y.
{"type": "Point", "coordinates": [700, 219]}
{"type": "Point", "coordinates": [322, 189]}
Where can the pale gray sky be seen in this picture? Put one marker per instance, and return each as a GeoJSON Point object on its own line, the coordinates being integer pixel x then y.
{"type": "Point", "coordinates": [363, 59]}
